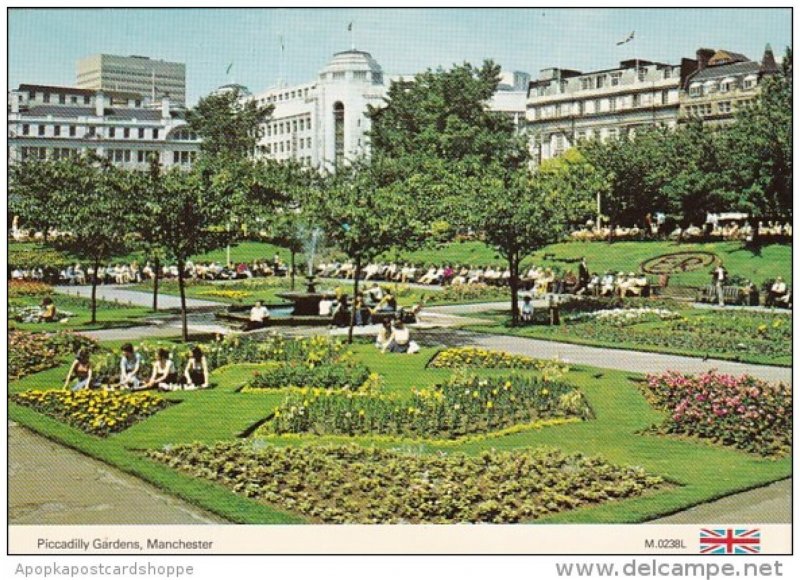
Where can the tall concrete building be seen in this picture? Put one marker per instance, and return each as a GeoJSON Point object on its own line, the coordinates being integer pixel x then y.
{"type": "Point", "coordinates": [137, 74]}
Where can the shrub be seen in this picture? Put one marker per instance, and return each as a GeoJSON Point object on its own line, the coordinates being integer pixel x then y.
{"type": "Point", "coordinates": [465, 404]}
{"type": "Point", "coordinates": [351, 484]}
{"type": "Point", "coordinates": [96, 412]}
{"type": "Point", "coordinates": [30, 352]}
{"type": "Point", "coordinates": [741, 412]}
{"type": "Point", "coordinates": [468, 292]}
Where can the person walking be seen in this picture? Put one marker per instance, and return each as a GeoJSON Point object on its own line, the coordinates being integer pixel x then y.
{"type": "Point", "coordinates": [720, 276]}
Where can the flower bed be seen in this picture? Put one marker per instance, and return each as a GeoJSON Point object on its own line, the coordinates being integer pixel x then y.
{"type": "Point", "coordinates": [330, 375]}
{"type": "Point", "coordinates": [624, 316]}
{"type": "Point", "coordinates": [30, 352]}
{"type": "Point", "coordinates": [741, 412]}
{"type": "Point", "coordinates": [31, 314]}
{"type": "Point", "coordinates": [95, 412]}
{"type": "Point", "coordinates": [350, 484]}
{"type": "Point", "coordinates": [468, 292]}
{"type": "Point", "coordinates": [464, 405]}
{"type": "Point", "coordinates": [473, 357]}
{"type": "Point", "coordinates": [236, 295]}
{"type": "Point", "coordinates": [23, 288]}
{"type": "Point", "coordinates": [731, 334]}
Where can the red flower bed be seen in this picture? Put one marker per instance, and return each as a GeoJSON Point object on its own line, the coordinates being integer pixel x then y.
{"type": "Point", "coordinates": [742, 412]}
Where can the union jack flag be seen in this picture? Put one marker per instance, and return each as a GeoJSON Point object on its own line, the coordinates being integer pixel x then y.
{"type": "Point", "coordinates": [730, 541]}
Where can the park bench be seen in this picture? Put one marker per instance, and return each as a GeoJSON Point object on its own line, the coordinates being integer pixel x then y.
{"type": "Point", "coordinates": [730, 294]}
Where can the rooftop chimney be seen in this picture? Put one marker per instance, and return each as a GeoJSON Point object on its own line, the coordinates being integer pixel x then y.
{"type": "Point", "coordinates": [165, 107]}
{"type": "Point", "coordinates": [703, 56]}
{"type": "Point", "coordinates": [99, 104]}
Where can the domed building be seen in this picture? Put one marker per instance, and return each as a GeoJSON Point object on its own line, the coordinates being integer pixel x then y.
{"type": "Point", "coordinates": [324, 123]}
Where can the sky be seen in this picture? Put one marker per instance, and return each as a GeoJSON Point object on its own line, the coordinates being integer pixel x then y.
{"type": "Point", "coordinates": [44, 45]}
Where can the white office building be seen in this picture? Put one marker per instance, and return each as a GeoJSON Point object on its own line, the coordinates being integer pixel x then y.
{"type": "Point", "coordinates": [324, 122]}
{"type": "Point", "coordinates": [50, 122]}
{"type": "Point", "coordinates": [566, 106]}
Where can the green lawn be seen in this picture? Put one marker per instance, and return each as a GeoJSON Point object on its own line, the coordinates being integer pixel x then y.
{"type": "Point", "coordinates": [730, 335]}
{"type": "Point", "coordinates": [698, 471]}
{"type": "Point", "coordinates": [109, 314]}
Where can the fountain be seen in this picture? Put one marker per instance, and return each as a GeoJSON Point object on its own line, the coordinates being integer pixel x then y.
{"type": "Point", "coordinates": [307, 303]}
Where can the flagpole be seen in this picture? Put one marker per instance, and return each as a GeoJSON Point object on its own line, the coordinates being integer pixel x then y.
{"type": "Point", "coordinates": [352, 37]}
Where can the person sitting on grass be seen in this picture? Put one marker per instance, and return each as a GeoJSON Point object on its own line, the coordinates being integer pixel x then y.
{"type": "Point", "coordinates": [196, 372]}
{"type": "Point", "coordinates": [776, 291]}
{"type": "Point", "coordinates": [384, 335]}
{"type": "Point", "coordinates": [47, 312]}
{"type": "Point", "coordinates": [399, 339]}
{"type": "Point", "coordinates": [363, 315]}
{"type": "Point", "coordinates": [164, 375]}
{"type": "Point", "coordinates": [129, 366]}
{"type": "Point", "coordinates": [81, 371]}
{"type": "Point", "coordinates": [526, 311]}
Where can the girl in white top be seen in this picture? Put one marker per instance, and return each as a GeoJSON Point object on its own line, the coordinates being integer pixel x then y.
{"type": "Point", "coordinates": [384, 335]}
{"type": "Point", "coordinates": [399, 339]}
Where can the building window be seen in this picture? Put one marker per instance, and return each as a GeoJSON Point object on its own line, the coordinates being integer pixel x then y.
{"type": "Point", "coordinates": [26, 129]}
{"type": "Point", "coordinates": [72, 130]}
{"type": "Point", "coordinates": [57, 131]}
{"type": "Point", "coordinates": [92, 131]}
{"type": "Point", "coordinates": [155, 133]}
{"type": "Point", "coordinates": [294, 126]}
{"type": "Point", "coordinates": [695, 90]}
{"type": "Point", "coordinates": [615, 79]}
{"type": "Point", "coordinates": [74, 100]}
{"type": "Point", "coordinates": [338, 76]}
{"type": "Point", "coordinates": [308, 142]}
{"type": "Point", "coordinates": [586, 84]}
{"type": "Point", "coordinates": [41, 130]}
{"type": "Point", "coordinates": [138, 103]}
{"type": "Point", "coordinates": [724, 107]}
{"type": "Point", "coordinates": [612, 104]}
{"type": "Point", "coordinates": [112, 132]}
{"type": "Point", "coordinates": [46, 98]}
{"type": "Point", "coordinates": [126, 133]}
{"type": "Point", "coordinates": [62, 99]}
{"type": "Point", "coordinates": [32, 95]}
{"type": "Point", "coordinates": [637, 100]}
{"type": "Point", "coordinates": [664, 97]}
{"type": "Point", "coordinates": [87, 100]}
{"type": "Point", "coordinates": [360, 75]}
{"type": "Point", "coordinates": [750, 82]}
{"type": "Point", "coordinates": [641, 74]}
{"type": "Point", "coordinates": [141, 133]}
{"type": "Point", "coordinates": [600, 82]}
{"type": "Point", "coordinates": [668, 73]}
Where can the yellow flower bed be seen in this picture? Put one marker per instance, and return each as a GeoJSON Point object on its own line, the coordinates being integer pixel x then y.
{"type": "Point", "coordinates": [229, 294]}
{"type": "Point", "coordinates": [95, 412]}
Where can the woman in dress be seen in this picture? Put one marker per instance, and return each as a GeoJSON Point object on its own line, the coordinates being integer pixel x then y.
{"type": "Point", "coordinates": [81, 371]}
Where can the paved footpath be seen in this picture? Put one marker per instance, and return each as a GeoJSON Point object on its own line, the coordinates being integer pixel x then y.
{"type": "Point", "coordinates": [123, 295]}
{"type": "Point", "coordinates": [50, 484]}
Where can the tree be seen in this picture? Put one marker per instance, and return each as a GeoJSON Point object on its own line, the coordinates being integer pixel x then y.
{"type": "Point", "coordinates": [228, 126]}
{"type": "Point", "coordinates": [362, 219]}
{"type": "Point", "coordinates": [193, 211]}
{"type": "Point", "coordinates": [92, 203]}
{"type": "Point", "coordinates": [520, 211]}
{"type": "Point", "coordinates": [32, 190]}
{"type": "Point", "coordinates": [758, 150]}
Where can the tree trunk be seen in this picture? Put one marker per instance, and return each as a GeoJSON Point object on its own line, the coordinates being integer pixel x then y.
{"type": "Point", "coordinates": [184, 327]}
{"type": "Point", "coordinates": [94, 290]}
{"type": "Point", "coordinates": [353, 305]}
{"type": "Point", "coordinates": [513, 265]}
{"type": "Point", "coordinates": [156, 275]}
{"type": "Point", "coordinates": [291, 272]}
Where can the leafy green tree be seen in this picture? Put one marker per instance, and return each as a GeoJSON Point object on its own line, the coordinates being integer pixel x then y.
{"type": "Point", "coordinates": [92, 204]}
{"type": "Point", "coordinates": [520, 211]}
{"type": "Point", "coordinates": [757, 148]}
{"type": "Point", "coordinates": [228, 126]}
{"type": "Point", "coordinates": [193, 213]}
{"type": "Point", "coordinates": [362, 219]}
{"type": "Point", "coordinates": [33, 187]}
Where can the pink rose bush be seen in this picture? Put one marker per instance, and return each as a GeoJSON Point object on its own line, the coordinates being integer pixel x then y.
{"type": "Point", "coordinates": [742, 412]}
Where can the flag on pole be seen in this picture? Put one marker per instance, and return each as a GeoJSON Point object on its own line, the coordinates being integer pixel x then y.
{"type": "Point", "coordinates": [627, 40]}
{"type": "Point", "coordinates": [350, 27]}
{"type": "Point", "coordinates": [228, 70]}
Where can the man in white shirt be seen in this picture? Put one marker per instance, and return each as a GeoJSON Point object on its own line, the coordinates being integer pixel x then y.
{"type": "Point", "coordinates": [258, 314]}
